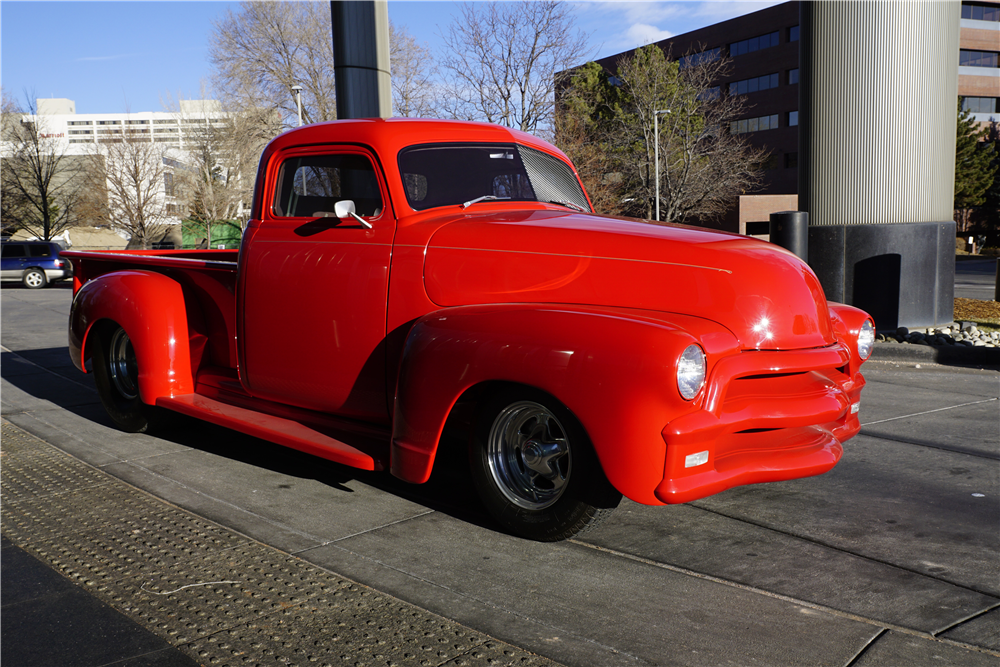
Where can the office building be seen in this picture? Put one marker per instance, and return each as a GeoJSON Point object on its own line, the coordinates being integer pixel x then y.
{"type": "Point", "coordinates": [764, 48]}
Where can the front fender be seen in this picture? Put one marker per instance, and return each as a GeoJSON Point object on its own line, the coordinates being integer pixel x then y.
{"type": "Point", "coordinates": [847, 322]}
{"type": "Point", "coordinates": [151, 309]}
{"type": "Point", "coordinates": [614, 369]}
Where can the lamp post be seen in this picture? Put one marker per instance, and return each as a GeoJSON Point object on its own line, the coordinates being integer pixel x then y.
{"type": "Point", "coordinates": [656, 155]}
{"type": "Point", "coordinates": [298, 101]}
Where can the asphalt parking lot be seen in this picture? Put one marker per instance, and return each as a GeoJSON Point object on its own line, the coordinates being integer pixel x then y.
{"type": "Point", "coordinates": [892, 558]}
{"type": "Point", "coordinates": [975, 278]}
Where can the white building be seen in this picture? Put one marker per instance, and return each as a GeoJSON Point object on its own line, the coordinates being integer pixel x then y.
{"type": "Point", "coordinates": [59, 119]}
{"type": "Point", "coordinates": [178, 133]}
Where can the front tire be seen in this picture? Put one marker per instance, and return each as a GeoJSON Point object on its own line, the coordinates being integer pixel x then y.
{"type": "Point", "coordinates": [34, 279]}
{"type": "Point", "coordinates": [116, 374]}
{"type": "Point", "coordinates": [535, 468]}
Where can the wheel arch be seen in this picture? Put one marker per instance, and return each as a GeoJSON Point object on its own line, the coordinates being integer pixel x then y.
{"type": "Point", "coordinates": [612, 369]}
{"type": "Point", "coordinates": [151, 308]}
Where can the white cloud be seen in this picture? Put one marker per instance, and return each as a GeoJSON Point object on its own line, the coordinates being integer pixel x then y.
{"type": "Point", "coordinates": [640, 34]}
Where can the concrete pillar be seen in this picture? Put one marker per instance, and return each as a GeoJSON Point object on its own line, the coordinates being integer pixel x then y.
{"type": "Point", "coordinates": [878, 92]}
{"type": "Point", "coordinates": [361, 58]}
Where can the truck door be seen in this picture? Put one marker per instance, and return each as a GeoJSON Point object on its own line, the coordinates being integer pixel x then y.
{"type": "Point", "coordinates": [314, 286]}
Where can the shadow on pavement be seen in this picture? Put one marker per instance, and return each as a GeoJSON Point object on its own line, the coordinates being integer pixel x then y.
{"type": "Point", "coordinates": [49, 375]}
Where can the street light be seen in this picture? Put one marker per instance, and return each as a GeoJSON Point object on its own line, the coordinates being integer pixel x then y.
{"type": "Point", "coordinates": [298, 101]}
{"type": "Point", "coordinates": [656, 155]}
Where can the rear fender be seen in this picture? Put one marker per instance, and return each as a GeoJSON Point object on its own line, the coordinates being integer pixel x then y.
{"type": "Point", "coordinates": [151, 309]}
{"type": "Point", "coordinates": [614, 369]}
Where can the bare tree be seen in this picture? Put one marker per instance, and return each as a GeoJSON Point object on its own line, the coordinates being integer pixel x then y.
{"type": "Point", "coordinates": [413, 70]}
{"type": "Point", "coordinates": [139, 179]}
{"type": "Point", "coordinates": [503, 59]}
{"type": "Point", "coordinates": [703, 163]}
{"type": "Point", "coordinates": [264, 49]}
{"type": "Point", "coordinates": [40, 182]}
{"type": "Point", "coordinates": [222, 150]}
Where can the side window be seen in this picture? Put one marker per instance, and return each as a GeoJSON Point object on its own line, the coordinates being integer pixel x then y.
{"type": "Point", "coordinates": [309, 186]}
{"type": "Point", "coordinates": [39, 251]}
{"type": "Point", "coordinates": [13, 251]}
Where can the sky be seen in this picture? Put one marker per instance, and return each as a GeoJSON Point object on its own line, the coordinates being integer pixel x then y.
{"type": "Point", "coordinates": [129, 56]}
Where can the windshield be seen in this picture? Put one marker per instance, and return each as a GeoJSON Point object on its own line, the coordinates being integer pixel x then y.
{"type": "Point", "coordinates": [447, 174]}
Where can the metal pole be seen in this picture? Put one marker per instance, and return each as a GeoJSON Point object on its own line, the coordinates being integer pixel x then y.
{"type": "Point", "coordinates": [656, 155]}
{"type": "Point", "coordinates": [361, 58]}
{"type": "Point", "coordinates": [298, 101]}
{"type": "Point", "coordinates": [656, 158]}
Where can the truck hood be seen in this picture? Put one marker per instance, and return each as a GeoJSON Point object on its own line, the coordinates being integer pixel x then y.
{"type": "Point", "coordinates": [763, 294]}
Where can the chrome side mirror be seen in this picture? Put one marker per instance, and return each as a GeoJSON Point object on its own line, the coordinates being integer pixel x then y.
{"type": "Point", "coordinates": [345, 209]}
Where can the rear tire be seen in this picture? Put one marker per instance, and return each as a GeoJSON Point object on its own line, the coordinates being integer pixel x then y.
{"type": "Point", "coordinates": [34, 279]}
{"type": "Point", "coordinates": [116, 374]}
{"type": "Point", "coordinates": [535, 468]}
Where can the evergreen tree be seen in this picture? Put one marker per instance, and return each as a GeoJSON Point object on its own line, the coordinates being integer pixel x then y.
{"type": "Point", "coordinates": [974, 167]}
{"type": "Point", "coordinates": [992, 203]}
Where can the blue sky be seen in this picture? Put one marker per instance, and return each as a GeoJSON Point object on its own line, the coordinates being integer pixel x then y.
{"type": "Point", "coordinates": [129, 56]}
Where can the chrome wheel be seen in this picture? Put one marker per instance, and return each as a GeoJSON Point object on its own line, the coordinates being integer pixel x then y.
{"type": "Point", "coordinates": [528, 453]}
{"type": "Point", "coordinates": [122, 368]}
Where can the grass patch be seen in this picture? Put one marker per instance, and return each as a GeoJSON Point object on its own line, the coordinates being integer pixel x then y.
{"type": "Point", "coordinates": [981, 312]}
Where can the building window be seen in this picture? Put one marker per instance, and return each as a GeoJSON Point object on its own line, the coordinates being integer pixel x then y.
{"type": "Point", "coordinates": [709, 94]}
{"type": "Point", "coordinates": [758, 124]}
{"type": "Point", "coordinates": [791, 160]}
{"type": "Point", "coordinates": [165, 122]}
{"type": "Point", "coordinates": [793, 76]}
{"type": "Point", "coordinates": [710, 55]}
{"type": "Point", "coordinates": [970, 58]}
{"type": "Point", "coordinates": [168, 184]}
{"type": "Point", "coordinates": [793, 118]}
{"type": "Point", "coordinates": [753, 44]}
{"type": "Point", "coordinates": [137, 122]}
{"type": "Point", "coordinates": [81, 141]}
{"type": "Point", "coordinates": [80, 122]}
{"type": "Point", "coordinates": [980, 12]}
{"type": "Point", "coordinates": [81, 131]}
{"type": "Point", "coordinates": [109, 122]}
{"type": "Point", "coordinates": [793, 33]}
{"type": "Point", "coordinates": [971, 104]}
{"type": "Point", "coordinates": [754, 85]}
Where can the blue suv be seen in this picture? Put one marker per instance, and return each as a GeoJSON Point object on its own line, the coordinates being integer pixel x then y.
{"type": "Point", "coordinates": [34, 263]}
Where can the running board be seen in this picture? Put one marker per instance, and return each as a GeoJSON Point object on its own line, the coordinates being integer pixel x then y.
{"type": "Point", "coordinates": [274, 429]}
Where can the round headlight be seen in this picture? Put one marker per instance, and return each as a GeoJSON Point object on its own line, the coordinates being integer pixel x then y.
{"type": "Point", "coordinates": [691, 371]}
{"type": "Point", "coordinates": [866, 340]}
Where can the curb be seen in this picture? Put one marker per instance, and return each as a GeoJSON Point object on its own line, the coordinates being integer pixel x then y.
{"type": "Point", "coordinates": [958, 355]}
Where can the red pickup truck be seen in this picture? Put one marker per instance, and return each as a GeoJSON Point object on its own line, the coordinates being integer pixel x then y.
{"type": "Point", "coordinates": [398, 273]}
